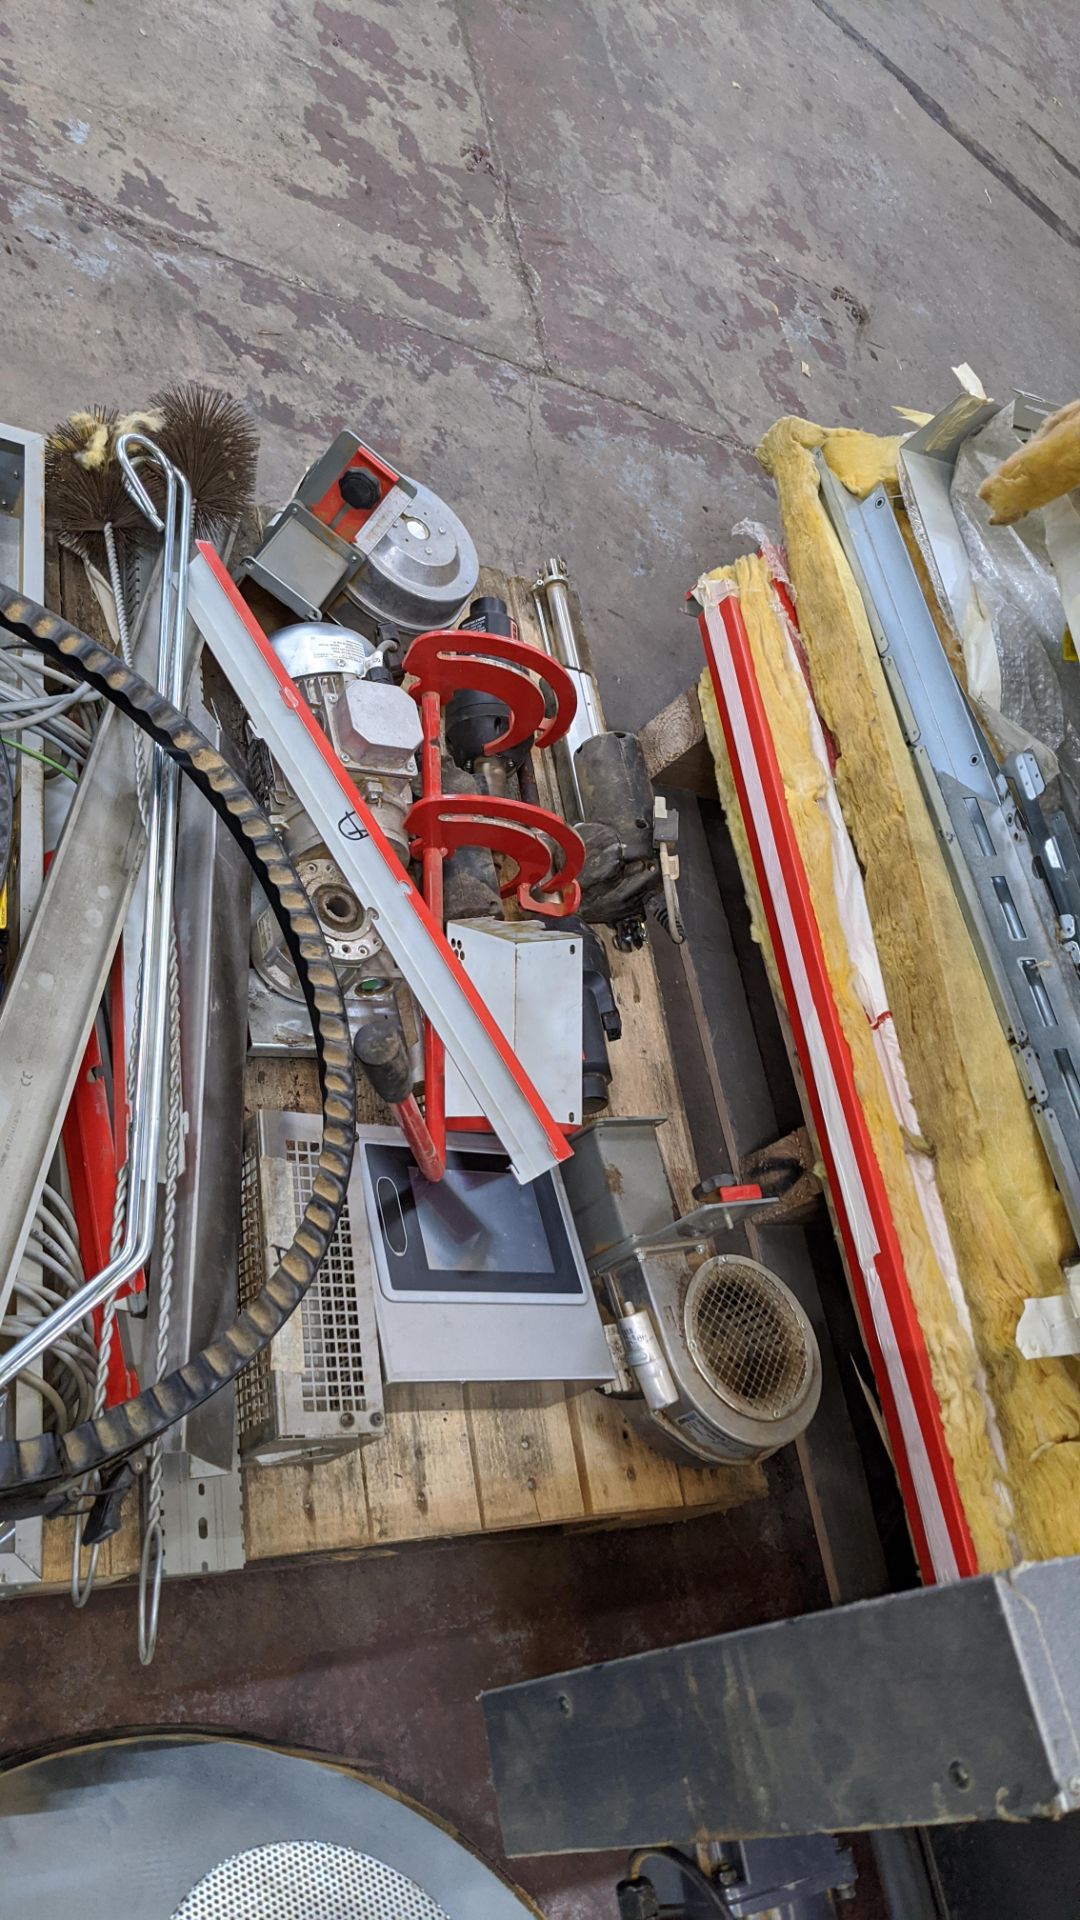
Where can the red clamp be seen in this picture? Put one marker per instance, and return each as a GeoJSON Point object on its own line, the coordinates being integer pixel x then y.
{"type": "Point", "coordinates": [443, 822]}
{"type": "Point", "coordinates": [449, 658]}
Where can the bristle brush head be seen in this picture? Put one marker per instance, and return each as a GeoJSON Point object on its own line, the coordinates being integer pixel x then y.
{"type": "Point", "coordinates": [84, 485]}
{"type": "Point", "coordinates": [212, 439]}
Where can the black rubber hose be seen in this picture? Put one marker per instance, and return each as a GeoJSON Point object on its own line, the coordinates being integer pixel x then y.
{"type": "Point", "coordinates": [39, 1476]}
{"type": "Point", "coordinates": [7, 814]}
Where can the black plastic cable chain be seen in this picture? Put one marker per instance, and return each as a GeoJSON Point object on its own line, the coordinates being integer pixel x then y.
{"type": "Point", "coordinates": [39, 1476]}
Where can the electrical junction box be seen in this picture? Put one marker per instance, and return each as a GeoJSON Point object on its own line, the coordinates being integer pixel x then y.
{"type": "Point", "coordinates": [530, 978]}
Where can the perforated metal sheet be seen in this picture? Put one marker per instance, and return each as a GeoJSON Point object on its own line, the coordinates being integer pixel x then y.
{"type": "Point", "coordinates": [747, 1338]}
{"type": "Point", "coordinates": [319, 1389]}
{"type": "Point", "coordinates": [333, 1379]}
{"type": "Point", "coordinates": [306, 1880]}
{"type": "Point", "coordinates": [144, 1829]}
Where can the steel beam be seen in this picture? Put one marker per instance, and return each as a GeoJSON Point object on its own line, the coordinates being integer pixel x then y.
{"type": "Point", "coordinates": [943, 1704]}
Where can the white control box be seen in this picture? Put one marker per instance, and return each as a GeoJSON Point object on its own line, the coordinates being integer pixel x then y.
{"type": "Point", "coordinates": [530, 978]}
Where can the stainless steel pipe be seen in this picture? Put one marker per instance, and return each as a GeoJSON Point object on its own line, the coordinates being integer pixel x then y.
{"type": "Point", "coordinates": [559, 636]}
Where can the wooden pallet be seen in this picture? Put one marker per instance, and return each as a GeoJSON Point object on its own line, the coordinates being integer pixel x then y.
{"type": "Point", "coordinates": [482, 1459]}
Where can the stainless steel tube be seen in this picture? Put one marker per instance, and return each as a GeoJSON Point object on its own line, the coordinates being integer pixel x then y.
{"type": "Point", "coordinates": [559, 635]}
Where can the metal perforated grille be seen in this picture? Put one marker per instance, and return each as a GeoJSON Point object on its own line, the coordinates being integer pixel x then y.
{"type": "Point", "coordinates": [306, 1880]}
{"type": "Point", "coordinates": [253, 1397]}
{"type": "Point", "coordinates": [333, 1378]}
{"type": "Point", "coordinates": [747, 1338]}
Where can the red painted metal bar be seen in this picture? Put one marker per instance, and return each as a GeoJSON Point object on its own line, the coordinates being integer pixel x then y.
{"type": "Point", "coordinates": [430, 1160]}
{"type": "Point", "coordinates": [432, 867]}
{"type": "Point", "coordinates": [90, 1157]}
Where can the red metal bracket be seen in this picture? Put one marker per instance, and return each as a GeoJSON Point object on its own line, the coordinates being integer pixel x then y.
{"type": "Point", "coordinates": [449, 658]}
{"type": "Point", "coordinates": [513, 829]}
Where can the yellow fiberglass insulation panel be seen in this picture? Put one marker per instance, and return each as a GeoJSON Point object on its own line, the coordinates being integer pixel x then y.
{"type": "Point", "coordinates": [1044, 468]}
{"type": "Point", "coordinates": [966, 1417]}
{"type": "Point", "coordinates": [1005, 1218]}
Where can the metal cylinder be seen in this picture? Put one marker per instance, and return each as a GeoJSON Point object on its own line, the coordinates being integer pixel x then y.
{"type": "Point", "coordinates": [645, 1358]}
{"type": "Point", "coordinates": [615, 788]}
{"type": "Point", "coordinates": [315, 647]}
{"type": "Point", "coordinates": [473, 718]}
{"type": "Point", "coordinates": [559, 635]}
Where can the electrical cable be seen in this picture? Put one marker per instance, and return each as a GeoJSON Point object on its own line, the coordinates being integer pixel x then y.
{"type": "Point", "coordinates": [43, 1475]}
{"type": "Point", "coordinates": [7, 817]}
{"type": "Point", "coordinates": [683, 1864]}
{"type": "Point", "coordinates": [51, 1247]}
{"type": "Point", "coordinates": [32, 754]}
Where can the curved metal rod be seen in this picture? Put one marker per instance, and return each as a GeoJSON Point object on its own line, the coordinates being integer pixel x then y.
{"type": "Point", "coordinates": [144, 1125]}
{"type": "Point", "coordinates": [152, 1555]}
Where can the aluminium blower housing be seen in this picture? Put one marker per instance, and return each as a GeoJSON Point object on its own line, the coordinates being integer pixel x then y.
{"type": "Point", "coordinates": [722, 1355]}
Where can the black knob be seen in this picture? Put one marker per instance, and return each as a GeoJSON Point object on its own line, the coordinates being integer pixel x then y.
{"type": "Point", "coordinates": [358, 488]}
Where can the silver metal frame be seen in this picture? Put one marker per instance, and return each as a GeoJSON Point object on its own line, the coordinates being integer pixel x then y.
{"type": "Point", "coordinates": [212, 900]}
{"type": "Point", "coordinates": [23, 455]}
{"type": "Point", "coordinates": [151, 1039]}
{"type": "Point", "coordinates": [1012, 925]}
{"type": "Point", "coordinates": [48, 1011]}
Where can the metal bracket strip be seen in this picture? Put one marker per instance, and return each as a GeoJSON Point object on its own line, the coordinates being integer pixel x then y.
{"type": "Point", "coordinates": [1014, 930]}
{"type": "Point", "coordinates": [486, 1064]}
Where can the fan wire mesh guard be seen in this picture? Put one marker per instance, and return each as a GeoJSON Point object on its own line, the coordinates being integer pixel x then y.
{"type": "Point", "coordinates": [747, 1338]}
{"type": "Point", "coordinates": [253, 1396]}
{"type": "Point", "coordinates": [306, 1880]}
{"type": "Point", "coordinates": [333, 1377]}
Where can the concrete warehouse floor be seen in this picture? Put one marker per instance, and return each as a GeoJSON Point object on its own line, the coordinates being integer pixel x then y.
{"type": "Point", "coordinates": [565, 260]}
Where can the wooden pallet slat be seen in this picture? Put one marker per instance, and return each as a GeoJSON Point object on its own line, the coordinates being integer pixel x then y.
{"type": "Point", "coordinates": [523, 1452]}
{"type": "Point", "coordinates": [317, 1508]}
{"type": "Point", "coordinates": [420, 1478]}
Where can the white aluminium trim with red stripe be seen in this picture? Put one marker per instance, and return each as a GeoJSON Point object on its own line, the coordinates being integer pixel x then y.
{"type": "Point", "coordinates": [894, 1338]}
{"type": "Point", "coordinates": [488, 1066]}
